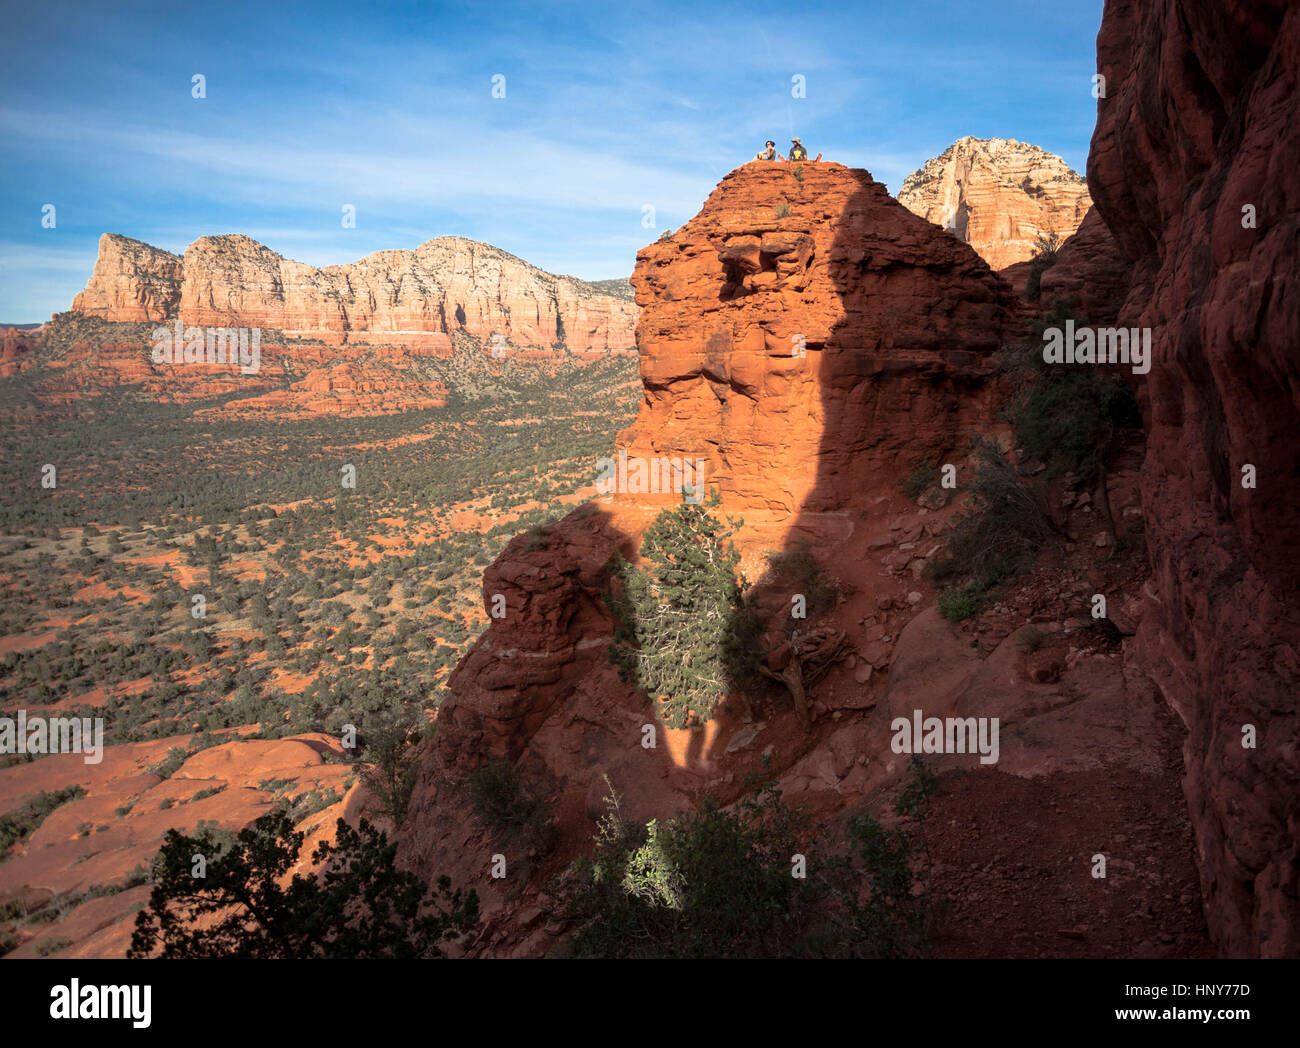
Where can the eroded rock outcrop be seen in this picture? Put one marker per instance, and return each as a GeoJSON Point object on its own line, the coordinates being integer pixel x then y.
{"type": "Point", "coordinates": [1091, 270]}
{"type": "Point", "coordinates": [15, 350]}
{"type": "Point", "coordinates": [999, 196]}
{"type": "Point", "coordinates": [806, 337]}
{"type": "Point", "coordinates": [418, 297]}
{"type": "Point", "coordinates": [1193, 167]}
{"type": "Point", "coordinates": [132, 282]}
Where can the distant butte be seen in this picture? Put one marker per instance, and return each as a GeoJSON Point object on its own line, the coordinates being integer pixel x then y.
{"type": "Point", "coordinates": [391, 297]}
{"type": "Point", "coordinates": [999, 196]}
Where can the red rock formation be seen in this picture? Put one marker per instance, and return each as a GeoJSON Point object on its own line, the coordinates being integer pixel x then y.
{"type": "Point", "coordinates": [350, 340]}
{"type": "Point", "coordinates": [807, 338]}
{"type": "Point", "coordinates": [15, 351]}
{"type": "Point", "coordinates": [1091, 269]}
{"type": "Point", "coordinates": [1198, 130]}
{"type": "Point", "coordinates": [132, 282]}
{"type": "Point", "coordinates": [891, 319]}
{"type": "Point", "coordinates": [83, 357]}
{"type": "Point", "coordinates": [389, 298]}
{"type": "Point", "coordinates": [999, 196]}
{"type": "Point", "coordinates": [351, 388]}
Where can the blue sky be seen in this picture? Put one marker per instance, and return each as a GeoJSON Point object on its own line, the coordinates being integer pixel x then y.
{"type": "Point", "coordinates": [388, 107]}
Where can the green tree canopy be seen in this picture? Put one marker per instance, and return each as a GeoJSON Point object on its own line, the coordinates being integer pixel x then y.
{"type": "Point", "coordinates": [684, 629]}
{"type": "Point", "coordinates": [360, 905]}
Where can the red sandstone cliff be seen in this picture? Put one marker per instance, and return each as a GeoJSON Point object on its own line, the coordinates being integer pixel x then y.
{"type": "Point", "coordinates": [894, 322]}
{"type": "Point", "coordinates": [132, 282]}
{"type": "Point", "coordinates": [415, 297]}
{"type": "Point", "coordinates": [807, 339]}
{"type": "Point", "coordinates": [1091, 269]}
{"type": "Point", "coordinates": [998, 195]}
{"type": "Point", "coordinates": [1196, 133]}
{"type": "Point", "coordinates": [800, 354]}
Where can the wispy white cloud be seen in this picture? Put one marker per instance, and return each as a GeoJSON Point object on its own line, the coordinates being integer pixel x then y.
{"type": "Point", "coordinates": [487, 164]}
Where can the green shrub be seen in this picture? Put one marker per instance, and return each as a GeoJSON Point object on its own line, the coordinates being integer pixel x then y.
{"type": "Point", "coordinates": [923, 475]}
{"type": "Point", "coordinates": [538, 537]}
{"type": "Point", "coordinates": [922, 784]}
{"type": "Point", "coordinates": [1045, 248]}
{"type": "Point", "coordinates": [718, 883]}
{"type": "Point", "coordinates": [1046, 245]}
{"type": "Point", "coordinates": [1067, 416]}
{"type": "Point", "coordinates": [17, 826]}
{"type": "Point", "coordinates": [958, 604]}
{"type": "Point", "coordinates": [684, 631]}
{"type": "Point", "coordinates": [781, 211]}
{"type": "Point", "coordinates": [997, 533]}
{"type": "Point", "coordinates": [798, 571]}
{"type": "Point", "coordinates": [171, 764]}
{"type": "Point", "coordinates": [510, 811]}
{"type": "Point", "coordinates": [711, 883]}
{"type": "Point", "coordinates": [392, 755]}
{"type": "Point", "coordinates": [883, 905]}
{"type": "Point", "coordinates": [1030, 639]}
{"type": "Point", "coordinates": [309, 803]}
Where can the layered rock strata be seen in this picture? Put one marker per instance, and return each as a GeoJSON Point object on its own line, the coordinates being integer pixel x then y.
{"type": "Point", "coordinates": [998, 195]}
{"type": "Point", "coordinates": [390, 297]}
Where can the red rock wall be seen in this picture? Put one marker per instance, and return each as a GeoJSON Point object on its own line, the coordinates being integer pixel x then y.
{"type": "Point", "coordinates": [1091, 269]}
{"type": "Point", "coordinates": [1199, 121]}
{"type": "Point", "coordinates": [15, 351]}
{"type": "Point", "coordinates": [895, 319]}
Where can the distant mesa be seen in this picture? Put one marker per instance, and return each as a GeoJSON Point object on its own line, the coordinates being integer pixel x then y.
{"type": "Point", "coordinates": [415, 297]}
{"type": "Point", "coordinates": [999, 196]}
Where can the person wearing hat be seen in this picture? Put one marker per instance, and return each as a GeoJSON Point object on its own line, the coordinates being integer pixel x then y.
{"type": "Point", "coordinates": [797, 151]}
{"type": "Point", "coordinates": [768, 153]}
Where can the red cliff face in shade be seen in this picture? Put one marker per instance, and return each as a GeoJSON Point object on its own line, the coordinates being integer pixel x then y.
{"type": "Point", "coordinates": [398, 298]}
{"type": "Point", "coordinates": [1091, 269]}
{"type": "Point", "coordinates": [1194, 169]}
{"type": "Point", "coordinates": [807, 338]}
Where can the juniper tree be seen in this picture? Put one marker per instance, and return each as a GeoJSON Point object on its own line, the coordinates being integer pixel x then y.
{"type": "Point", "coordinates": [684, 627]}
{"type": "Point", "coordinates": [393, 756]}
{"type": "Point", "coordinates": [243, 905]}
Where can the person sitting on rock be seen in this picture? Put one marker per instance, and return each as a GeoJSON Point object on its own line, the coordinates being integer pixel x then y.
{"type": "Point", "coordinates": [768, 153]}
{"type": "Point", "coordinates": [797, 151]}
